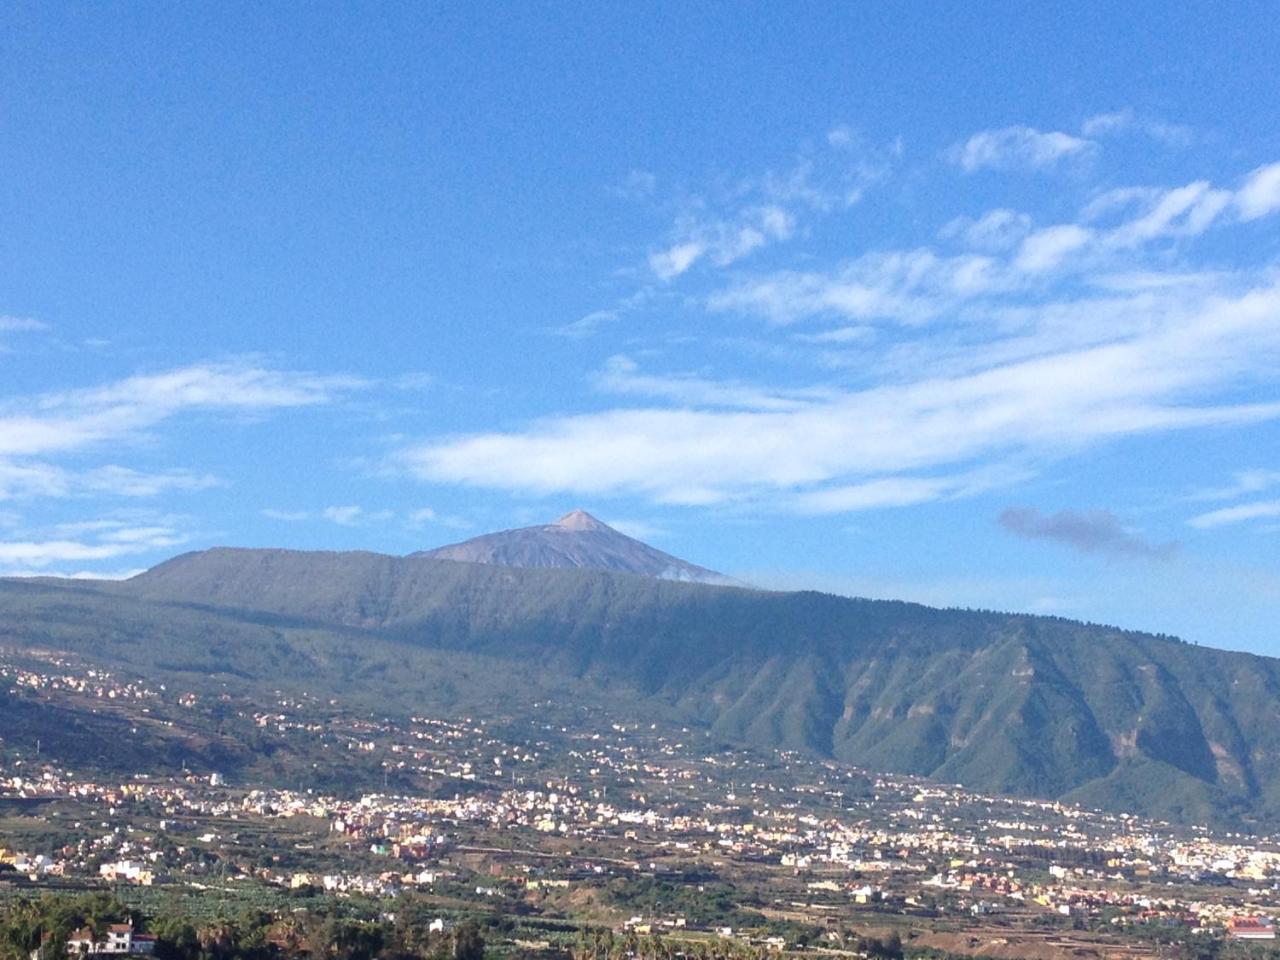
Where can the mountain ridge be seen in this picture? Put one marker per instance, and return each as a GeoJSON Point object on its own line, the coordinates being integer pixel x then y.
{"type": "Point", "coordinates": [1005, 703]}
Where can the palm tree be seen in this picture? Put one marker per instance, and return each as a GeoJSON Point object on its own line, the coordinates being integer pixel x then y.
{"type": "Point", "coordinates": [217, 937]}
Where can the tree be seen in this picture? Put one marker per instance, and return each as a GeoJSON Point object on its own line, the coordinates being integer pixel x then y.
{"type": "Point", "coordinates": [468, 942]}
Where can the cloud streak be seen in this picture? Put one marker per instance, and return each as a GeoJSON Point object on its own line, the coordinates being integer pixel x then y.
{"type": "Point", "coordinates": [1260, 194]}
{"type": "Point", "coordinates": [9, 324]}
{"type": "Point", "coordinates": [759, 212]}
{"type": "Point", "coordinates": [60, 422]}
{"type": "Point", "coordinates": [1127, 120]}
{"type": "Point", "coordinates": [88, 542]}
{"type": "Point", "coordinates": [1049, 341]}
{"type": "Point", "coordinates": [1261, 510]}
{"type": "Point", "coordinates": [29, 479]}
{"type": "Point", "coordinates": [1154, 379]}
{"type": "Point", "coordinates": [723, 242]}
{"type": "Point", "coordinates": [1091, 531]}
{"type": "Point", "coordinates": [1018, 147]}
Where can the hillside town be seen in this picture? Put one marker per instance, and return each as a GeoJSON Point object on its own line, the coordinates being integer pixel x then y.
{"type": "Point", "coordinates": [617, 824]}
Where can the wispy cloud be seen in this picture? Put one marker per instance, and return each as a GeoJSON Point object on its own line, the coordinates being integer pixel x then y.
{"type": "Point", "coordinates": [729, 222]}
{"type": "Point", "coordinates": [995, 230]}
{"type": "Point", "coordinates": [36, 430]}
{"type": "Point", "coordinates": [126, 482]}
{"type": "Point", "coordinates": [89, 542]}
{"type": "Point", "coordinates": [10, 324]}
{"type": "Point", "coordinates": [1150, 362]}
{"type": "Point", "coordinates": [1260, 194]}
{"type": "Point", "coordinates": [908, 286]}
{"type": "Point", "coordinates": [59, 422]}
{"type": "Point", "coordinates": [919, 285]}
{"type": "Point", "coordinates": [592, 322]}
{"type": "Point", "coordinates": [344, 515]}
{"type": "Point", "coordinates": [347, 516]}
{"type": "Point", "coordinates": [350, 515]}
{"type": "Point", "coordinates": [726, 227]}
{"type": "Point", "coordinates": [1018, 147]}
{"type": "Point", "coordinates": [946, 373]}
{"type": "Point", "coordinates": [622, 375]}
{"type": "Point", "coordinates": [1244, 482]}
{"type": "Point", "coordinates": [904, 491]}
{"type": "Point", "coordinates": [1090, 531]}
{"type": "Point", "coordinates": [27, 479]}
{"type": "Point", "coordinates": [1046, 249]}
{"type": "Point", "coordinates": [1185, 211]}
{"type": "Point", "coordinates": [1260, 510]}
{"type": "Point", "coordinates": [723, 242]}
{"type": "Point", "coordinates": [287, 516]}
{"type": "Point", "coordinates": [637, 184]}
{"type": "Point", "coordinates": [1129, 121]}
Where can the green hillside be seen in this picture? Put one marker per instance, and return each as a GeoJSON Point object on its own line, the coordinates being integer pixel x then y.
{"type": "Point", "coordinates": [1001, 703]}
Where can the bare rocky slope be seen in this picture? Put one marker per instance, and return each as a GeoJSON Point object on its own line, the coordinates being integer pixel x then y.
{"type": "Point", "coordinates": [575, 540]}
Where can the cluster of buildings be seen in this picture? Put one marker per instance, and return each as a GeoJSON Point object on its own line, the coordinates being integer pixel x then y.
{"type": "Point", "coordinates": [658, 803]}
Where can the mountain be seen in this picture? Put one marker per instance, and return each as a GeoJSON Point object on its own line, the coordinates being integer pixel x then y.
{"type": "Point", "coordinates": [575, 540]}
{"type": "Point", "coordinates": [1002, 703]}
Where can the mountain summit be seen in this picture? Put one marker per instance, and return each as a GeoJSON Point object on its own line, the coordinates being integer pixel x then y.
{"type": "Point", "coordinates": [580, 520]}
{"type": "Point", "coordinates": [575, 540]}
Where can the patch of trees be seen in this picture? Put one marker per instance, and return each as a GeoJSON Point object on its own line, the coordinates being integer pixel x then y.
{"type": "Point", "coordinates": [27, 924]}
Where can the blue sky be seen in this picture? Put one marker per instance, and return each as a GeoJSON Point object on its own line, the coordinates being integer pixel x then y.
{"type": "Point", "coordinates": [977, 305]}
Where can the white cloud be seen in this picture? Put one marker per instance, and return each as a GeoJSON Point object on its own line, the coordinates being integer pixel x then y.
{"type": "Point", "coordinates": [10, 324]}
{"type": "Point", "coordinates": [419, 518]}
{"type": "Point", "coordinates": [589, 323]}
{"type": "Point", "coordinates": [414, 381]}
{"type": "Point", "coordinates": [1018, 147]}
{"type": "Point", "coordinates": [622, 375]}
{"type": "Point", "coordinates": [92, 541]}
{"type": "Point", "coordinates": [1244, 483]}
{"type": "Point", "coordinates": [351, 515]}
{"type": "Point", "coordinates": [1260, 194]}
{"type": "Point", "coordinates": [636, 185]}
{"type": "Point", "coordinates": [347, 516]}
{"type": "Point", "coordinates": [126, 482]}
{"type": "Point", "coordinates": [1046, 249]}
{"type": "Point", "coordinates": [23, 479]}
{"type": "Point", "coordinates": [1184, 211]}
{"type": "Point", "coordinates": [724, 242]}
{"type": "Point", "coordinates": [1261, 510]}
{"type": "Point", "coordinates": [1126, 120]}
{"type": "Point", "coordinates": [982, 367]}
{"type": "Point", "coordinates": [841, 137]}
{"type": "Point", "coordinates": [995, 230]}
{"type": "Point", "coordinates": [909, 286]}
{"type": "Point", "coordinates": [1148, 379]}
{"type": "Point", "coordinates": [1104, 123]}
{"type": "Point", "coordinates": [1117, 200]}
{"type": "Point", "coordinates": [74, 419]}
{"type": "Point", "coordinates": [18, 479]}
{"type": "Point", "coordinates": [841, 335]}
{"type": "Point", "coordinates": [287, 516]}
{"type": "Point", "coordinates": [670, 263]}
{"type": "Point", "coordinates": [902, 491]}
{"type": "Point", "coordinates": [750, 214]}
